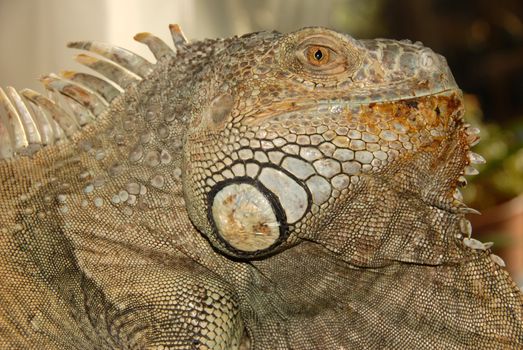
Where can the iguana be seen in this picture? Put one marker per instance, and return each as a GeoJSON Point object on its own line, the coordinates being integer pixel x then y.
{"type": "Point", "coordinates": [268, 191]}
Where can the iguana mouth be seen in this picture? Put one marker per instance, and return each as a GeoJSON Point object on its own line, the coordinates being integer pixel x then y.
{"type": "Point", "coordinates": [337, 106]}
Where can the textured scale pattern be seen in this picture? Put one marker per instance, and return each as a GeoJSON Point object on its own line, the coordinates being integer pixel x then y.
{"type": "Point", "coordinates": [269, 191]}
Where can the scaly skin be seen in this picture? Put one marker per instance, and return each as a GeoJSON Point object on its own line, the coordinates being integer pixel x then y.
{"type": "Point", "coordinates": [273, 191]}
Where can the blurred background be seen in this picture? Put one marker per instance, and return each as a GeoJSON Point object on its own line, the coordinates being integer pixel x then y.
{"type": "Point", "coordinates": [482, 40]}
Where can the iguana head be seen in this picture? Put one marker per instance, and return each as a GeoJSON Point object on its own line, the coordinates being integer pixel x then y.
{"type": "Point", "coordinates": [298, 127]}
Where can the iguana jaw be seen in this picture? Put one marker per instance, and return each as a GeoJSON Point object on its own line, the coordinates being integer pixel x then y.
{"type": "Point", "coordinates": [353, 142]}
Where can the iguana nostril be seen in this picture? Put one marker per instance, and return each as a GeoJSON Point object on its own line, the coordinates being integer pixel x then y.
{"type": "Point", "coordinates": [427, 59]}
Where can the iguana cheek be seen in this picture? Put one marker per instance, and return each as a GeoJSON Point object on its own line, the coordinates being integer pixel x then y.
{"type": "Point", "coordinates": [246, 217]}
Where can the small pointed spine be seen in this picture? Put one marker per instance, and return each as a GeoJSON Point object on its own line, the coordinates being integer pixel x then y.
{"type": "Point", "coordinates": [476, 158]}
{"type": "Point", "coordinates": [119, 75]}
{"type": "Point", "coordinates": [13, 123]}
{"type": "Point", "coordinates": [474, 244]}
{"type": "Point", "coordinates": [157, 46]}
{"type": "Point", "coordinates": [83, 115]}
{"type": "Point", "coordinates": [472, 130]}
{"type": "Point", "coordinates": [471, 171]}
{"type": "Point", "coordinates": [98, 85]}
{"type": "Point", "coordinates": [179, 38]}
{"type": "Point", "coordinates": [467, 210]}
{"type": "Point", "coordinates": [28, 122]}
{"type": "Point", "coordinates": [462, 181]}
{"type": "Point", "coordinates": [465, 227]}
{"type": "Point", "coordinates": [125, 58]}
{"type": "Point", "coordinates": [498, 260]}
{"type": "Point", "coordinates": [66, 122]}
{"type": "Point", "coordinates": [44, 124]}
{"type": "Point", "coordinates": [6, 135]}
{"type": "Point", "coordinates": [86, 98]}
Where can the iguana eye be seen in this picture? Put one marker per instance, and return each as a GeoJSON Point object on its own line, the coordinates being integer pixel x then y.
{"type": "Point", "coordinates": [318, 55]}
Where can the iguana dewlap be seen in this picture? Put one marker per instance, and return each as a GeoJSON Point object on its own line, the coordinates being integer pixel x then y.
{"type": "Point", "coordinates": [268, 191]}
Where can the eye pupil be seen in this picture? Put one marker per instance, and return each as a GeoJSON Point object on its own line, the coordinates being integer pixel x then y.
{"type": "Point", "coordinates": [317, 55]}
